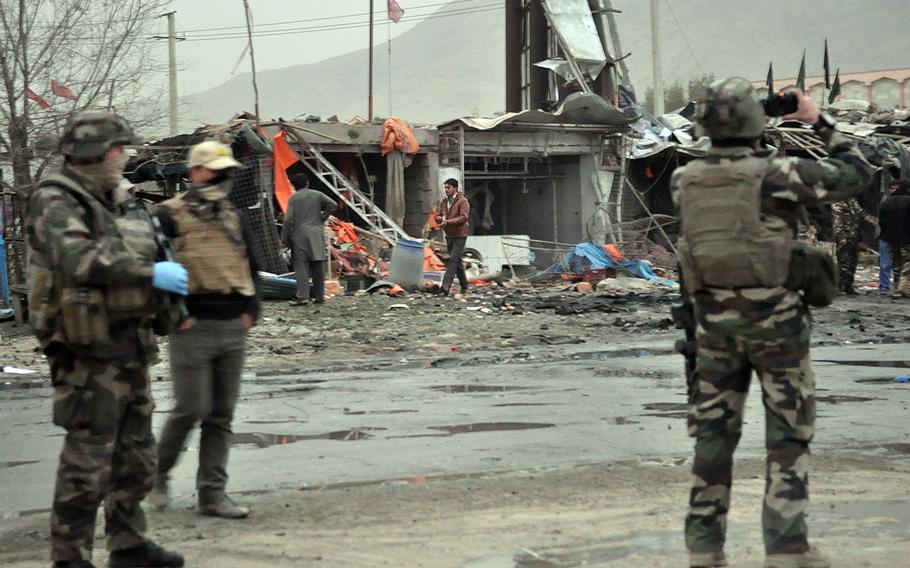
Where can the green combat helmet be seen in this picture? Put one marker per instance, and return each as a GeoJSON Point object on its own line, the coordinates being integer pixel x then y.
{"type": "Point", "coordinates": [729, 108]}
{"type": "Point", "coordinates": [91, 133]}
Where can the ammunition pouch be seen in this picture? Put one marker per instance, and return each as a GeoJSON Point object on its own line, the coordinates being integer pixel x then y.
{"type": "Point", "coordinates": [84, 318]}
{"type": "Point", "coordinates": [813, 272]}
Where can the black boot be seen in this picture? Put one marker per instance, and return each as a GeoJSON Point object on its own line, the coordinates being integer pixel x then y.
{"type": "Point", "coordinates": [848, 290]}
{"type": "Point", "coordinates": [73, 564]}
{"type": "Point", "coordinates": [148, 555]}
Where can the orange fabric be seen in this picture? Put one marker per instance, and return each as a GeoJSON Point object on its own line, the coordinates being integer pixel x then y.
{"type": "Point", "coordinates": [398, 135]}
{"type": "Point", "coordinates": [347, 234]}
{"type": "Point", "coordinates": [431, 221]}
{"type": "Point", "coordinates": [431, 262]}
{"type": "Point", "coordinates": [613, 252]}
{"type": "Point", "coordinates": [284, 158]}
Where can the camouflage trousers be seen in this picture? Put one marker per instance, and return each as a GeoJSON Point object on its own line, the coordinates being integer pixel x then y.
{"type": "Point", "coordinates": [847, 257]}
{"type": "Point", "coordinates": [765, 330]}
{"type": "Point", "coordinates": [108, 454]}
{"type": "Point", "coordinates": [900, 267]}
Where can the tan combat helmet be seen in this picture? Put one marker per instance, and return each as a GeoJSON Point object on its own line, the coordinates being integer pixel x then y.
{"type": "Point", "coordinates": [729, 108]}
{"type": "Point", "coordinates": [91, 133]}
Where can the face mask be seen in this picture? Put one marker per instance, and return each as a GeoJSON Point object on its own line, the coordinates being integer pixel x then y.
{"type": "Point", "coordinates": [105, 175]}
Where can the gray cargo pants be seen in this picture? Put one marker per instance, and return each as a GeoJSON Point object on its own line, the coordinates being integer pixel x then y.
{"type": "Point", "coordinates": [206, 364]}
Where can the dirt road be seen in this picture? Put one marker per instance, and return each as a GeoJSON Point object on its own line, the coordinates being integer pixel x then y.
{"type": "Point", "coordinates": [459, 434]}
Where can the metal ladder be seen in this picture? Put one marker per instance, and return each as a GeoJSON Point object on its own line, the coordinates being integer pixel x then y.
{"type": "Point", "coordinates": [375, 218]}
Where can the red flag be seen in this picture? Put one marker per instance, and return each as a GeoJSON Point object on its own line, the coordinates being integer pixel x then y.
{"type": "Point", "coordinates": [284, 158]}
{"type": "Point", "coordinates": [33, 96]}
{"type": "Point", "coordinates": [62, 91]}
{"type": "Point", "coordinates": [395, 11]}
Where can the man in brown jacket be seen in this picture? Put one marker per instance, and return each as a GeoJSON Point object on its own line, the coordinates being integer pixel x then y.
{"type": "Point", "coordinates": [452, 214]}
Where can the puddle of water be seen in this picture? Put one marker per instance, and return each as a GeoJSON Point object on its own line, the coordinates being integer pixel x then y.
{"type": "Point", "coordinates": [839, 398]}
{"type": "Point", "coordinates": [476, 388]}
{"type": "Point", "coordinates": [12, 464]}
{"type": "Point", "coordinates": [875, 380]}
{"type": "Point", "coordinates": [491, 427]}
{"type": "Point", "coordinates": [674, 414]}
{"type": "Point", "coordinates": [667, 406]}
{"type": "Point", "coordinates": [362, 412]}
{"type": "Point", "coordinates": [264, 440]}
{"type": "Point", "coordinates": [895, 364]}
{"type": "Point", "coordinates": [622, 353]}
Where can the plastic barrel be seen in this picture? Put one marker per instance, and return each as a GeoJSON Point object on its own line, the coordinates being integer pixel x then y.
{"type": "Point", "coordinates": [407, 263]}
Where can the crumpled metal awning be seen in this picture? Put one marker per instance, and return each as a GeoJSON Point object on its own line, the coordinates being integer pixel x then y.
{"type": "Point", "coordinates": [574, 26]}
{"type": "Point", "coordinates": [578, 109]}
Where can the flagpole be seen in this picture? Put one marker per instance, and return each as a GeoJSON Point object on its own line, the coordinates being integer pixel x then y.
{"type": "Point", "coordinates": [388, 25]}
{"type": "Point", "coordinates": [370, 96]}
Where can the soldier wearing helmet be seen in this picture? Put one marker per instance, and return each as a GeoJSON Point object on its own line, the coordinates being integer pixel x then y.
{"type": "Point", "coordinates": [749, 284]}
{"type": "Point", "coordinates": [95, 290]}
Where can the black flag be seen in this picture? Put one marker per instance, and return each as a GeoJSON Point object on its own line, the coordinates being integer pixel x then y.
{"type": "Point", "coordinates": [770, 78]}
{"type": "Point", "coordinates": [801, 78]}
{"type": "Point", "coordinates": [827, 67]}
{"type": "Point", "coordinates": [835, 89]}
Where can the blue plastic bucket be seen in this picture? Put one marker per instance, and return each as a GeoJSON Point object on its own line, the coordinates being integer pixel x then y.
{"type": "Point", "coordinates": [406, 269]}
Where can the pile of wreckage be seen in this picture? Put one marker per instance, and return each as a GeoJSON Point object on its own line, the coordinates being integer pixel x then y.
{"type": "Point", "coordinates": [664, 143]}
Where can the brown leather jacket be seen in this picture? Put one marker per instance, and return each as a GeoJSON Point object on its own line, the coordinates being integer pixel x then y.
{"type": "Point", "coordinates": [454, 221]}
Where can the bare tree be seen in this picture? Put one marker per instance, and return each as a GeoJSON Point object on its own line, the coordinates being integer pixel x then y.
{"type": "Point", "coordinates": [97, 51]}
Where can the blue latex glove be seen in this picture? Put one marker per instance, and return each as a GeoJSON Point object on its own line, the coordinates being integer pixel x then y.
{"type": "Point", "coordinates": [170, 277]}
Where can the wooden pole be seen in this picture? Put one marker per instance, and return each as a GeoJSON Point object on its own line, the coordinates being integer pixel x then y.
{"type": "Point", "coordinates": [249, 33]}
{"type": "Point", "coordinates": [370, 95]}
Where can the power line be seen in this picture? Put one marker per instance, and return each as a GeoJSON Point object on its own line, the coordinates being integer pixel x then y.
{"type": "Point", "coordinates": [345, 26]}
{"type": "Point", "coordinates": [343, 16]}
{"type": "Point", "coordinates": [685, 38]}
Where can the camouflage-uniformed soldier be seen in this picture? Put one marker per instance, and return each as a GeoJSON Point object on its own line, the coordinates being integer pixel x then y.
{"type": "Point", "coordinates": [739, 207]}
{"type": "Point", "coordinates": [91, 301]}
{"type": "Point", "coordinates": [848, 220]}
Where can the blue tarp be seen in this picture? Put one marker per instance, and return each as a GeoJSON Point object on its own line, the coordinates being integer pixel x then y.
{"type": "Point", "coordinates": [4, 283]}
{"type": "Point", "coordinates": [589, 255]}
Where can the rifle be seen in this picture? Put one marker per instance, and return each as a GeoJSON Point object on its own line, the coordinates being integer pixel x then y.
{"type": "Point", "coordinates": [164, 248]}
{"type": "Point", "coordinates": [684, 318]}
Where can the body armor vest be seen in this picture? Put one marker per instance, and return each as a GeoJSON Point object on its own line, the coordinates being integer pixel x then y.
{"type": "Point", "coordinates": [209, 244]}
{"type": "Point", "coordinates": [724, 242]}
{"type": "Point", "coordinates": [81, 317]}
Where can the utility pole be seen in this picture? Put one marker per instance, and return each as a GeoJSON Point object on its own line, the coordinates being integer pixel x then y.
{"type": "Point", "coordinates": [655, 59]}
{"type": "Point", "coordinates": [172, 68]}
{"type": "Point", "coordinates": [370, 93]}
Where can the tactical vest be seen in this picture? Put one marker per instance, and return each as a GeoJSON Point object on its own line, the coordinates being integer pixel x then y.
{"type": "Point", "coordinates": [724, 243]}
{"type": "Point", "coordinates": [81, 317]}
{"type": "Point", "coordinates": [210, 246]}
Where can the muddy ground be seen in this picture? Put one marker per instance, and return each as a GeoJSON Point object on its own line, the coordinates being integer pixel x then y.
{"type": "Point", "coordinates": [514, 428]}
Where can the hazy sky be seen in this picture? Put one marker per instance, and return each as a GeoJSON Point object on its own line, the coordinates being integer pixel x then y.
{"type": "Point", "coordinates": [208, 55]}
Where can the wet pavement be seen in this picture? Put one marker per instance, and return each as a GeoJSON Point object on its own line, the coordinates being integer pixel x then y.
{"type": "Point", "coordinates": [565, 408]}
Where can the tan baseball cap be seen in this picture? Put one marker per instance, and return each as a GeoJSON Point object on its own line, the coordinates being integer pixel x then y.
{"type": "Point", "coordinates": [212, 155]}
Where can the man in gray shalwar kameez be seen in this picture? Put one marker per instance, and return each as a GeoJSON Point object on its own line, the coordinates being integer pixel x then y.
{"type": "Point", "coordinates": [303, 232]}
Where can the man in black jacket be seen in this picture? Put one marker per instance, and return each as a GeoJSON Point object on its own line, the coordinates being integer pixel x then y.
{"type": "Point", "coordinates": [894, 220]}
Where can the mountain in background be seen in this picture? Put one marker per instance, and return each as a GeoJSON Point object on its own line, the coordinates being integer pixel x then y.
{"type": "Point", "coordinates": [445, 67]}
{"type": "Point", "coordinates": [453, 65]}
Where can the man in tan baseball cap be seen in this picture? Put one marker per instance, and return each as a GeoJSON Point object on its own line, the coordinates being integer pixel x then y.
{"type": "Point", "coordinates": [210, 155]}
{"type": "Point", "coordinates": [215, 244]}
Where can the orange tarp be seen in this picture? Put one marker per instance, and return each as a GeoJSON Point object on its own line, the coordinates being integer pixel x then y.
{"type": "Point", "coordinates": [284, 158]}
{"type": "Point", "coordinates": [398, 135]}
{"type": "Point", "coordinates": [613, 252]}
{"type": "Point", "coordinates": [431, 262]}
{"type": "Point", "coordinates": [347, 234]}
